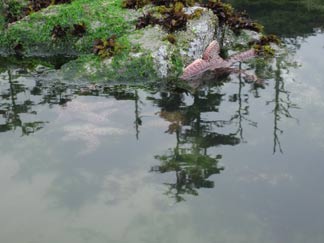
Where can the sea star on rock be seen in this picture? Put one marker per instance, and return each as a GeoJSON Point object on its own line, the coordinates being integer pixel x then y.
{"type": "Point", "coordinates": [212, 61]}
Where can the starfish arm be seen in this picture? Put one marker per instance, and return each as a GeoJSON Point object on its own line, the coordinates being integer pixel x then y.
{"type": "Point", "coordinates": [211, 52]}
{"type": "Point", "coordinates": [197, 67]}
{"type": "Point", "coordinates": [242, 56]}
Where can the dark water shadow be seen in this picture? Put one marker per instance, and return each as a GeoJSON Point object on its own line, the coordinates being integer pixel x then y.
{"type": "Point", "coordinates": [288, 19]}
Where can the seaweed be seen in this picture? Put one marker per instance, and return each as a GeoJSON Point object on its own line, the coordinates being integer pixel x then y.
{"type": "Point", "coordinates": [196, 14]}
{"type": "Point", "coordinates": [59, 32]}
{"type": "Point", "coordinates": [263, 45]}
{"type": "Point", "coordinates": [172, 19]}
{"type": "Point", "coordinates": [106, 47]}
{"type": "Point", "coordinates": [170, 3]}
{"type": "Point", "coordinates": [135, 4]}
{"type": "Point", "coordinates": [145, 20]}
{"type": "Point", "coordinates": [171, 38]}
{"type": "Point", "coordinates": [18, 49]}
{"type": "Point", "coordinates": [235, 20]}
{"type": "Point", "coordinates": [79, 30]}
{"type": "Point", "coordinates": [36, 5]}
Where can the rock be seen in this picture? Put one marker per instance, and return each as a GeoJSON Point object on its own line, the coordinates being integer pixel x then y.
{"type": "Point", "coordinates": [150, 56]}
{"type": "Point", "coordinates": [155, 57]}
{"type": "Point", "coordinates": [169, 59]}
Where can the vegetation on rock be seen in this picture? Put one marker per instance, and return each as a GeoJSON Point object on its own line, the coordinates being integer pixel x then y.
{"type": "Point", "coordinates": [81, 27]}
{"type": "Point", "coordinates": [106, 47]}
{"type": "Point", "coordinates": [102, 17]}
{"type": "Point", "coordinates": [263, 45]}
{"type": "Point", "coordinates": [235, 20]}
{"type": "Point", "coordinates": [16, 10]}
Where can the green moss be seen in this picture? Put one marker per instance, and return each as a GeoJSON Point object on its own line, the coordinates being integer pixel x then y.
{"type": "Point", "coordinates": [177, 64]}
{"type": "Point", "coordinates": [2, 18]}
{"type": "Point", "coordinates": [121, 68]}
{"type": "Point", "coordinates": [131, 68]}
{"type": "Point", "coordinates": [103, 18]}
{"type": "Point", "coordinates": [13, 10]}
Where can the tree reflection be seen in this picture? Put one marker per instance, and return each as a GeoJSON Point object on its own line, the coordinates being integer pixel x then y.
{"type": "Point", "coordinates": [191, 160]}
{"type": "Point", "coordinates": [199, 121]}
{"type": "Point", "coordinates": [282, 103]}
{"type": "Point", "coordinates": [14, 103]}
{"type": "Point", "coordinates": [192, 170]}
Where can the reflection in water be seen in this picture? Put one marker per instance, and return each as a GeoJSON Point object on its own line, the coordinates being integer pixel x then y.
{"type": "Point", "coordinates": [195, 134]}
{"type": "Point", "coordinates": [195, 119]}
{"type": "Point", "coordinates": [285, 18]}
{"type": "Point", "coordinates": [243, 107]}
{"type": "Point", "coordinates": [189, 159]}
{"type": "Point", "coordinates": [108, 196]}
{"type": "Point", "coordinates": [14, 103]}
{"type": "Point", "coordinates": [281, 101]}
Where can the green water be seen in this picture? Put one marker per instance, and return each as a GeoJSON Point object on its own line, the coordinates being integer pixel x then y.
{"type": "Point", "coordinates": [228, 163]}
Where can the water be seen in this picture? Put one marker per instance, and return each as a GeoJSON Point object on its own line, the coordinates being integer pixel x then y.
{"type": "Point", "coordinates": [138, 163]}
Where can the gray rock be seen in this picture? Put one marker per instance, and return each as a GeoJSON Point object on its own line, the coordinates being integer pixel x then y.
{"type": "Point", "coordinates": [169, 58]}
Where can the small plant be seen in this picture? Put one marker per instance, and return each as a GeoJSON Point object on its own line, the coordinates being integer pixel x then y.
{"type": "Point", "coordinates": [170, 3]}
{"type": "Point", "coordinates": [134, 3]}
{"type": "Point", "coordinates": [79, 30]}
{"type": "Point", "coordinates": [59, 32]}
{"type": "Point", "coordinates": [106, 47]}
{"type": "Point", "coordinates": [13, 11]}
{"type": "Point", "coordinates": [36, 5]}
{"type": "Point", "coordinates": [267, 39]}
{"type": "Point", "coordinates": [263, 46]}
{"type": "Point", "coordinates": [18, 49]}
{"type": "Point", "coordinates": [171, 38]}
{"type": "Point", "coordinates": [196, 14]}
{"type": "Point", "coordinates": [145, 20]}
{"type": "Point", "coordinates": [173, 18]}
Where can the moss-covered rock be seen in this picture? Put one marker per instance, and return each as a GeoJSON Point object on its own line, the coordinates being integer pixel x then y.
{"type": "Point", "coordinates": [143, 54]}
{"type": "Point", "coordinates": [102, 18]}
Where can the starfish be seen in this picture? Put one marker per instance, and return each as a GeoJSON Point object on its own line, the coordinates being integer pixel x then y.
{"type": "Point", "coordinates": [212, 61]}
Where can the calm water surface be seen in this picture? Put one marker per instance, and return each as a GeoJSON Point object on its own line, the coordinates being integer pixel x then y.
{"type": "Point", "coordinates": [135, 163]}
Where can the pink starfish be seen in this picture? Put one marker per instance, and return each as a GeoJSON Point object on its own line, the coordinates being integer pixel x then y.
{"type": "Point", "coordinates": [212, 61]}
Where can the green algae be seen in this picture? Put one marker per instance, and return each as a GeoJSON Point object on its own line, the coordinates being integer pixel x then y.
{"type": "Point", "coordinates": [103, 18]}
{"type": "Point", "coordinates": [127, 67]}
